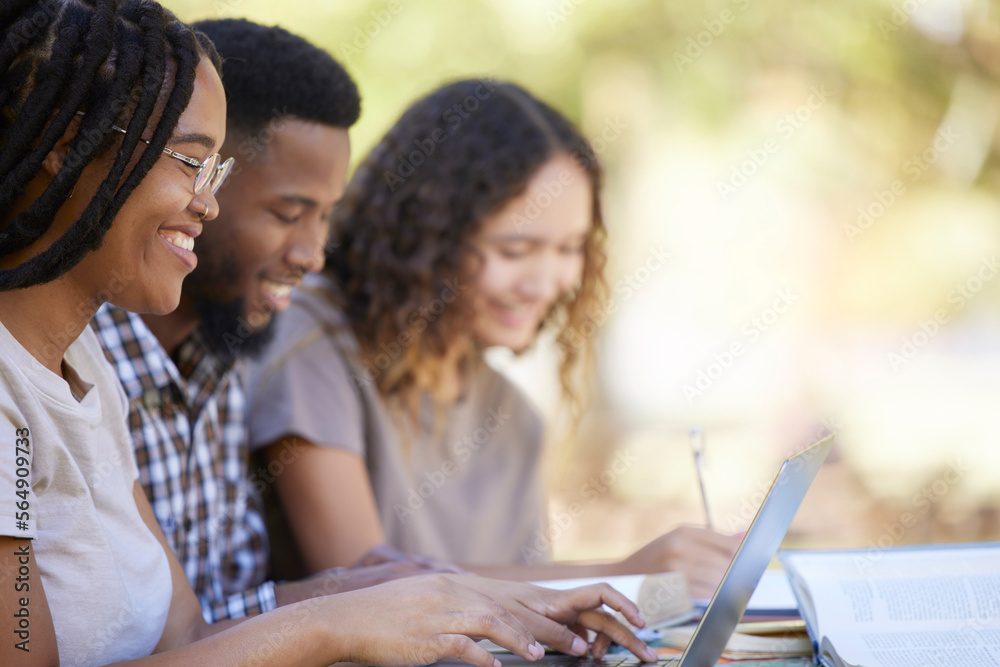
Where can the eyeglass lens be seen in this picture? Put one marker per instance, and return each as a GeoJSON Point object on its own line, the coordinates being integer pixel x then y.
{"type": "Point", "coordinates": [222, 172]}
{"type": "Point", "coordinates": [212, 174]}
{"type": "Point", "coordinates": [206, 174]}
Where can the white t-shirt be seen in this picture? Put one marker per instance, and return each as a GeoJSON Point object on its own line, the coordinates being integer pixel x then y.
{"type": "Point", "coordinates": [106, 577]}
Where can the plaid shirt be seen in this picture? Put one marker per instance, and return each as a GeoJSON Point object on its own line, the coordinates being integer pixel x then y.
{"type": "Point", "coordinates": [188, 421]}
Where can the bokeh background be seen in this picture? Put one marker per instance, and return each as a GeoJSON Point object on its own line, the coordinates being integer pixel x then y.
{"type": "Point", "coordinates": [822, 178]}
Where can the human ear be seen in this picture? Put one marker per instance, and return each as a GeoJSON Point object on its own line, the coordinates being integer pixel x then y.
{"type": "Point", "coordinates": [56, 158]}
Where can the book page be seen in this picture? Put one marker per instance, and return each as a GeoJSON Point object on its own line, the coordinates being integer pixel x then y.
{"type": "Point", "coordinates": [905, 606]}
{"type": "Point", "coordinates": [955, 648]}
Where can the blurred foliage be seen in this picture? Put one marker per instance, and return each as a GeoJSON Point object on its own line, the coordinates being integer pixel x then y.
{"type": "Point", "coordinates": [893, 81]}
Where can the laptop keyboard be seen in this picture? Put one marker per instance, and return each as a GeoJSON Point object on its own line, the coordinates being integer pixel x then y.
{"type": "Point", "coordinates": [627, 660]}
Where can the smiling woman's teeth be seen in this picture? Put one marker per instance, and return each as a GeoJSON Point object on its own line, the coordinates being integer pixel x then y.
{"type": "Point", "coordinates": [514, 308]}
{"type": "Point", "coordinates": [179, 239]}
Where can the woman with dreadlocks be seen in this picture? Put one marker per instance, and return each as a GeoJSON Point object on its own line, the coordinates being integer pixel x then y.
{"type": "Point", "coordinates": [111, 115]}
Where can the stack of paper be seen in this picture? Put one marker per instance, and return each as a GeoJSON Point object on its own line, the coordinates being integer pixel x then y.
{"type": "Point", "coordinates": [789, 643]}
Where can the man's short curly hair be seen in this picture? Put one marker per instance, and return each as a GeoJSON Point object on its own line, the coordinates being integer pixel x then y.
{"type": "Point", "coordinates": [268, 70]}
{"type": "Point", "coordinates": [403, 229]}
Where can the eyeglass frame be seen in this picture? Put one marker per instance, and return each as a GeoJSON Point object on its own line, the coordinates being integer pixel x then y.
{"type": "Point", "coordinates": [226, 164]}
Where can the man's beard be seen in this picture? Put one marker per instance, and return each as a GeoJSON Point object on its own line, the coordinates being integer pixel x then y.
{"type": "Point", "coordinates": [225, 329]}
{"type": "Point", "coordinates": [223, 321]}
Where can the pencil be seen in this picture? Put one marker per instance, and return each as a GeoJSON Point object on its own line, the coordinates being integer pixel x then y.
{"type": "Point", "coordinates": [697, 436]}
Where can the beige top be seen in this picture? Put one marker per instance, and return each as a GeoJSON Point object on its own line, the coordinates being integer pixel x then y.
{"type": "Point", "coordinates": [106, 577]}
{"type": "Point", "coordinates": [468, 493]}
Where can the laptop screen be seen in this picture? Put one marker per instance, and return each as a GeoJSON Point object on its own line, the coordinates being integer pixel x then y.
{"type": "Point", "coordinates": [754, 554]}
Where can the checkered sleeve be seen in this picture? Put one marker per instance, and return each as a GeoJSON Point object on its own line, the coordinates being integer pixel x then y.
{"type": "Point", "coordinates": [248, 603]}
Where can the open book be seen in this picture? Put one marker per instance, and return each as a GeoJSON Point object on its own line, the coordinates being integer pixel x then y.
{"type": "Point", "coordinates": [901, 607]}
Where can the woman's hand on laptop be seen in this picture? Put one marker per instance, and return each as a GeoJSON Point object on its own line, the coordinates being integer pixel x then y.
{"type": "Point", "coordinates": [703, 556]}
{"type": "Point", "coordinates": [420, 620]}
{"type": "Point", "coordinates": [561, 619]}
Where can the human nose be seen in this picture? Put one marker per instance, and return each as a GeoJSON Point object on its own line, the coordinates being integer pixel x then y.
{"type": "Point", "coordinates": [543, 279]}
{"type": "Point", "coordinates": [307, 248]}
{"type": "Point", "coordinates": [205, 205]}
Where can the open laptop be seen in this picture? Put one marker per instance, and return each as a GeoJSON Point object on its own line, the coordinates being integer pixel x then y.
{"type": "Point", "coordinates": [758, 547]}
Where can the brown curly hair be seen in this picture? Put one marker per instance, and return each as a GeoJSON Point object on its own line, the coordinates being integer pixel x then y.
{"type": "Point", "coordinates": [402, 231]}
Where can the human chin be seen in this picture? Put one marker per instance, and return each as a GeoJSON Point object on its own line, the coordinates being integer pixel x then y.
{"type": "Point", "coordinates": [230, 329]}
{"type": "Point", "coordinates": [159, 299]}
{"type": "Point", "coordinates": [493, 332]}
{"type": "Point", "coordinates": [166, 295]}
{"type": "Point", "coordinates": [512, 317]}
{"type": "Point", "coordinates": [258, 316]}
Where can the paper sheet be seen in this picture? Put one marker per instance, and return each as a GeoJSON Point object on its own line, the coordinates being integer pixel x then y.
{"type": "Point", "coordinates": [773, 593]}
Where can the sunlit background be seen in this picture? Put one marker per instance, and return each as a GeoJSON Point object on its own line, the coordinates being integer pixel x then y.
{"type": "Point", "coordinates": [821, 178]}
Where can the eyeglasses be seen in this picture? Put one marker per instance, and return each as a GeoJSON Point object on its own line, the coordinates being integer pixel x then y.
{"type": "Point", "coordinates": [210, 172]}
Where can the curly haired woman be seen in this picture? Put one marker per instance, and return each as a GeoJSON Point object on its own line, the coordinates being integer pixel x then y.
{"type": "Point", "coordinates": [475, 222]}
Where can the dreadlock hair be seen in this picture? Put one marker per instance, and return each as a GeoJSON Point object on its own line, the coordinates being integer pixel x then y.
{"type": "Point", "coordinates": [121, 62]}
{"type": "Point", "coordinates": [269, 72]}
{"type": "Point", "coordinates": [402, 232]}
